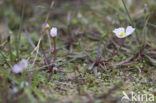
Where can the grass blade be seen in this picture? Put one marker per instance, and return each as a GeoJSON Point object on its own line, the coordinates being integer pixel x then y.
{"type": "Point", "coordinates": [19, 33]}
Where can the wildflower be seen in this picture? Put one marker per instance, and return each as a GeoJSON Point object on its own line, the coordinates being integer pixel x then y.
{"type": "Point", "coordinates": [24, 62]}
{"type": "Point", "coordinates": [53, 32]}
{"type": "Point", "coordinates": [18, 68]}
{"type": "Point", "coordinates": [45, 26]}
{"type": "Point", "coordinates": [122, 33]}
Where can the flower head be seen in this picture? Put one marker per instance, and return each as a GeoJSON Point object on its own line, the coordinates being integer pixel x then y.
{"type": "Point", "coordinates": [122, 33]}
{"type": "Point", "coordinates": [45, 26]}
{"type": "Point", "coordinates": [53, 32]}
{"type": "Point", "coordinates": [18, 68]}
{"type": "Point", "coordinates": [24, 63]}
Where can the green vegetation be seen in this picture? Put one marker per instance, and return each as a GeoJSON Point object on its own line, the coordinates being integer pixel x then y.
{"type": "Point", "coordinates": [92, 65]}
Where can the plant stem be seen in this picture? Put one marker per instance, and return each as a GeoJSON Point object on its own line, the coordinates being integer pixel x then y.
{"type": "Point", "coordinates": [54, 52]}
{"type": "Point", "coordinates": [19, 32]}
{"type": "Point", "coordinates": [10, 50]}
{"type": "Point", "coordinates": [131, 21]}
{"type": "Point", "coordinates": [146, 18]}
{"type": "Point", "coordinates": [47, 32]}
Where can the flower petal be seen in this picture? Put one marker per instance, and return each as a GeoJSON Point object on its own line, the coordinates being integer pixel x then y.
{"type": "Point", "coordinates": [53, 32]}
{"type": "Point", "coordinates": [24, 63]}
{"type": "Point", "coordinates": [129, 30]}
{"type": "Point", "coordinates": [17, 68]}
{"type": "Point", "coordinates": [119, 30]}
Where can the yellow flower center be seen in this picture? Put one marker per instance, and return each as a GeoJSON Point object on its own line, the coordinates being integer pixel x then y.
{"type": "Point", "coordinates": [121, 34]}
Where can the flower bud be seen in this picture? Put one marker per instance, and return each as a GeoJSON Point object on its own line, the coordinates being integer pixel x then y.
{"type": "Point", "coordinates": [45, 26]}
{"type": "Point", "coordinates": [53, 32]}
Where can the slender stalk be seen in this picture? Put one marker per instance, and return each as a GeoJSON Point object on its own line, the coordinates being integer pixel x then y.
{"type": "Point", "coordinates": [121, 44]}
{"type": "Point", "coordinates": [54, 47]}
{"type": "Point", "coordinates": [146, 18]}
{"type": "Point", "coordinates": [54, 52]}
{"type": "Point", "coordinates": [131, 21]}
{"type": "Point", "coordinates": [47, 32]}
{"type": "Point", "coordinates": [37, 51]}
{"type": "Point", "coordinates": [19, 33]}
{"type": "Point", "coordinates": [10, 50]}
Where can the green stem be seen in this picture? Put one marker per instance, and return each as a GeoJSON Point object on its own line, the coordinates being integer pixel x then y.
{"type": "Point", "coordinates": [131, 21]}
{"type": "Point", "coordinates": [19, 33]}
{"type": "Point", "coordinates": [144, 28]}
{"type": "Point", "coordinates": [54, 40]}
{"type": "Point", "coordinates": [10, 52]}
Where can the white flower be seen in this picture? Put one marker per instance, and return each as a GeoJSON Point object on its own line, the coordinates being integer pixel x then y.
{"type": "Point", "coordinates": [24, 63]}
{"type": "Point", "coordinates": [18, 68]}
{"type": "Point", "coordinates": [53, 32]}
{"type": "Point", "coordinates": [122, 33]}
